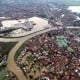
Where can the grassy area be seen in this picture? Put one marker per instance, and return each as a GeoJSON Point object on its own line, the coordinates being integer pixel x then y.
{"type": "Point", "coordinates": [3, 74]}
{"type": "Point", "coordinates": [19, 51]}
{"type": "Point", "coordinates": [61, 41]}
{"type": "Point", "coordinates": [5, 47]}
{"type": "Point", "coordinates": [70, 49]}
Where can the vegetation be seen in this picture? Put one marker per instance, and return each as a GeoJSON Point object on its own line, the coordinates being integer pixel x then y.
{"type": "Point", "coordinates": [19, 51]}
{"type": "Point", "coordinates": [30, 58]}
{"type": "Point", "coordinates": [3, 74]}
{"type": "Point", "coordinates": [5, 47]}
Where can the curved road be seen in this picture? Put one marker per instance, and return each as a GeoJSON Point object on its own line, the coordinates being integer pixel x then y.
{"type": "Point", "coordinates": [11, 63]}
{"type": "Point", "coordinates": [25, 37]}
{"type": "Point", "coordinates": [46, 30]}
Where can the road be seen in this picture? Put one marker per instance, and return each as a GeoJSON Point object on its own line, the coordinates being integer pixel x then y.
{"type": "Point", "coordinates": [25, 37]}
{"type": "Point", "coordinates": [11, 63]}
{"type": "Point", "coordinates": [36, 33]}
{"type": "Point", "coordinates": [12, 66]}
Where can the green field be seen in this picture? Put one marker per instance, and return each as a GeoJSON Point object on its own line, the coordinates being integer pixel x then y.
{"type": "Point", "coordinates": [3, 74]}
{"type": "Point", "coordinates": [61, 41]}
{"type": "Point", "coordinates": [19, 51]}
{"type": "Point", "coordinates": [5, 47]}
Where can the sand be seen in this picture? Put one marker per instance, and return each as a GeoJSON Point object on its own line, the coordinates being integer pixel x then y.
{"type": "Point", "coordinates": [40, 25]}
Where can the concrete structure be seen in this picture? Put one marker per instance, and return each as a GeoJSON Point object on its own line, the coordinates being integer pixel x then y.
{"type": "Point", "coordinates": [27, 25]}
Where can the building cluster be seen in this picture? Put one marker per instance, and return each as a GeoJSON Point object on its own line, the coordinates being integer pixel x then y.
{"type": "Point", "coordinates": [51, 56]}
